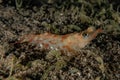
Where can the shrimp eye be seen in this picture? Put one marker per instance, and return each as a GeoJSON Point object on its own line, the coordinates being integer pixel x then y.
{"type": "Point", "coordinates": [85, 35]}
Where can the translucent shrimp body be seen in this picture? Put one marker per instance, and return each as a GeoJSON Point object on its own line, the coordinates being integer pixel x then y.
{"type": "Point", "coordinates": [69, 43]}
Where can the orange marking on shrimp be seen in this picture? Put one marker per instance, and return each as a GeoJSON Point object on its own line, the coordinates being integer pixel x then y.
{"type": "Point", "coordinates": [64, 37]}
{"type": "Point", "coordinates": [69, 42]}
{"type": "Point", "coordinates": [46, 45]}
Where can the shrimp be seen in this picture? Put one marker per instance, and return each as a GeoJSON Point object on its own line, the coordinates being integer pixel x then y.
{"type": "Point", "coordinates": [69, 43]}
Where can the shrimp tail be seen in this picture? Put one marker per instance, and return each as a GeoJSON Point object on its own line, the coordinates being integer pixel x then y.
{"type": "Point", "coordinates": [25, 38]}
